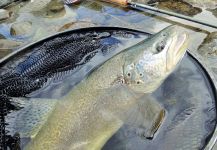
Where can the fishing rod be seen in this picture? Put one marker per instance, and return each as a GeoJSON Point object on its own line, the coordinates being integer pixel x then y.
{"type": "Point", "coordinates": [141, 7]}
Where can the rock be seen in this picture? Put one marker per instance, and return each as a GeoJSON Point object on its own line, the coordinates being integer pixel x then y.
{"type": "Point", "coordinates": [56, 5]}
{"type": "Point", "coordinates": [4, 14]}
{"type": "Point", "coordinates": [214, 11]}
{"type": "Point", "coordinates": [211, 4]}
{"type": "Point", "coordinates": [47, 8]}
{"type": "Point", "coordinates": [21, 28]}
{"type": "Point", "coordinates": [4, 52]}
{"type": "Point", "coordinates": [40, 33]}
{"type": "Point", "coordinates": [209, 46]}
{"type": "Point", "coordinates": [2, 36]}
{"type": "Point", "coordinates": [9, 44]}
{"type": "Point", "coordinates": [35, 6]}
{"type": "Point", "coordinates": [178, 6]}
{"type": "Point", "coordinates": [77, 25]}
{"type": "Point", "coordinates": [4, 3]}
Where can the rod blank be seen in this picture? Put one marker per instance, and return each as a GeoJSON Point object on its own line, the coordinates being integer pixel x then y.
{"type": "Point", "coordinates": [142, 6]}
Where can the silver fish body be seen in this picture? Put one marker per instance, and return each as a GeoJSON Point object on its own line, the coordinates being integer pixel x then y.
{"type": "Point", "coordinates": [99, 105]}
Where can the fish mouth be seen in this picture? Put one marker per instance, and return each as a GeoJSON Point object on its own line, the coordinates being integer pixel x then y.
{"type": "Point", "coordinates": [180, 48]}
{"type": "Point", "coordinates": [177, 49]}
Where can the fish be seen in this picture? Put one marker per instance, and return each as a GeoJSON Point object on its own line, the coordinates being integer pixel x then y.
{"type": "Point", "coordinates": [100, 104]}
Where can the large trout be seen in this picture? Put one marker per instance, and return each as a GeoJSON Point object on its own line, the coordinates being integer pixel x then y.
{"type": "Point", "coordinates": [100, 104]}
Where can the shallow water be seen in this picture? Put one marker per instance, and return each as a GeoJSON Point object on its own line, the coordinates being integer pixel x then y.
{"type": "Point", "coordinates": [95, 13]}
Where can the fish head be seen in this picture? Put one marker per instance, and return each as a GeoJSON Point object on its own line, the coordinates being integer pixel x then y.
{"type": "Point", "coordinates": [147, 68]}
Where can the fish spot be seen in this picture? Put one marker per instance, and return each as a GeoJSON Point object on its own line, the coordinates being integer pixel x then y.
{"type": "Point", "coordinates": [122, 81]}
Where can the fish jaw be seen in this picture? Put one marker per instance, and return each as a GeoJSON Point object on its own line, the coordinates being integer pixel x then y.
{"type": "Point", "coordinates": [160, 54]}
{"type": "Point", "coordinates": [176, 51]}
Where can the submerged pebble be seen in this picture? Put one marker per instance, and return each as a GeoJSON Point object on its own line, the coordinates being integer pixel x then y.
{"type": "Point", "coordinates": [4, 3]}
{"type": "Point", "coordinates": [4, 14]}
{"type": "Point", "coordinates": [21, 28]}
{"type": "Point", "coordinates": [178, 6]}
{"type": "Point", "coordinates": [203, 3]}
{"type": "Point", "coordinates": [6, 46]}
{"type": "Point", "coordinates": [4, 52]}
{"type": "Point", "coordinates": [214, 11]}
{"type": "Point", "coordinates": [34, 6]}
{"type": "Point", "coordinates": [76, 25]}
{"type": "Point", "coordinates": [9, 44]}
{"type": "Point", "coordinates": [2, 36]}
{"type": "Point", "coordinates": [209, 46]}
{"type": "Point", "coordinates": [56, 5]}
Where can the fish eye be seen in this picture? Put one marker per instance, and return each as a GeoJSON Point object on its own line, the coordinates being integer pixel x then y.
{"type": "Point", "coordinates": [141, 74]}
{"type": "Point", "coordinates": [160, 47]}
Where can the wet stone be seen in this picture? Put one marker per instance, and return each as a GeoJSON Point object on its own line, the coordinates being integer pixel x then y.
{"type": "Point", "coordinates": [4, 3]}
{"type": "Point", "coordinates": [4, 52]}
{"type": "Point", "coordinates": [179, 6]}
{"type": "Point", "coordinates": [56, 5]}
{"type": "Point", "coordinates": [209, 46]}
{"type": "Point", "coordinates": [214, 11]}
{"type": "Point", "coordinates": [35, 6]}
{"type": "Point", "coordinates": [21, 28]}
{"type": "Point", "coordinates": [2, 36]}
{"type": "Point", "coordinates": [4, 14]}
{"type": "Point", "coordinates": [96, 6]}
{"type": "Point", "coordinates": [8, 44]}
{"type": "Point", "coordinates": [212, 4]}
{"type": "Point", "coordinates": [76, 25]}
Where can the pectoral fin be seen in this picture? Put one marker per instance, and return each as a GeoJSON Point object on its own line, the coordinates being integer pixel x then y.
{"type": "Point", "coordinates": [28, 120]}
{"type": "Point", "coordinates": [147, 115]}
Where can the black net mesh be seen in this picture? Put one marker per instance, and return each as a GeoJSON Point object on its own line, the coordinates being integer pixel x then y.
{"type": "Point", "coordinates": [31, 71]}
